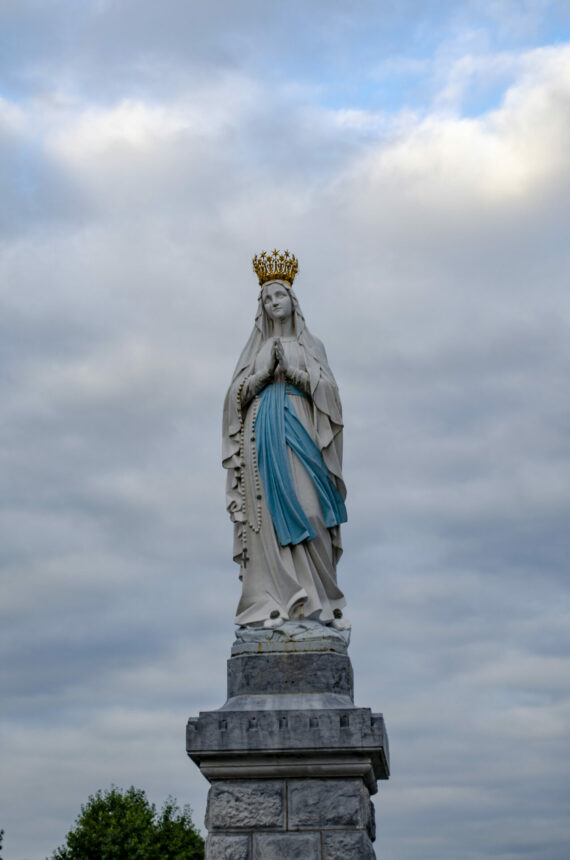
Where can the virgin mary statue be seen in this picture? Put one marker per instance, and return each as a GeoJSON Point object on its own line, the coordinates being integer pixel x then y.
{"type": "Point", "coordinates": [282, 447]}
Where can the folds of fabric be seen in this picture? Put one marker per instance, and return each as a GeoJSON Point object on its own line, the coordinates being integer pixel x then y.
{"type": "Point", "coordinates": [276, 428]}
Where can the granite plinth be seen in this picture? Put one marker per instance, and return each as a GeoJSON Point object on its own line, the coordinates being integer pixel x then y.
{"type": "Point", "coordinates": [292, 761]}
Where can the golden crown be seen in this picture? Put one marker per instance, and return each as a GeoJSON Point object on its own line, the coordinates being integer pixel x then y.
{"type": "Point", "coordinates": [276, 266]}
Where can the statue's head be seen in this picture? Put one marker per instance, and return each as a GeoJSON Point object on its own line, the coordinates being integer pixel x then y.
{"type": "Point", "coordinates": [276, 300]}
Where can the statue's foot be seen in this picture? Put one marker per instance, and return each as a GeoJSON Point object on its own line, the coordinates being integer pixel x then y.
{"type": "Point", "coordinates": [274, 620]}
{"type": "Point", "coordinates": [341, 624]}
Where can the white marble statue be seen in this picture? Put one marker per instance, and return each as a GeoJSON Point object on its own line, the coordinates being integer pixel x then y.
{"type": "Point", "coordinates": [282, 447]}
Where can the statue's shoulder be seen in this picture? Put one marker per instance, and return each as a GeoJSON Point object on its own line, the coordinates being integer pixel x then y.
{"type": "Point", "coordinates": [319, 348]}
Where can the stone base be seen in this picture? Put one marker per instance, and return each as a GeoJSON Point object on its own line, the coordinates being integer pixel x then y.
{"type": "Point", "coordinates": [310, 819]}
{"type": "Point", "coordinates": [291, 761]}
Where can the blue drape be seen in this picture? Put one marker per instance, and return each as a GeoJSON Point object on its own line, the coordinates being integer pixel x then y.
{"type": "Point", "coordinates": [277, 426]}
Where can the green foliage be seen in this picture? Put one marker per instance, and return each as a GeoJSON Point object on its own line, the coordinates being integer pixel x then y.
{"type": "Point", "coordinates": [1, 840]}
{"type": "Point", "coordinates": [117, 825]}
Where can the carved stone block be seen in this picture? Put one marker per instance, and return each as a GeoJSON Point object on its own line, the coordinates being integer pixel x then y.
{"type": "Point", "coordinates": [227, 847]}
{"type": "Point", "coordinates": [323, 803]}
{"type": "Point", "coordinates": [246, 805]}
{"type": "Point", "coordinates": [347, 845]}
{"type": "Point", "coordinates": [287, 846]}
{"type": "Point", "coordinates": [290, 673]}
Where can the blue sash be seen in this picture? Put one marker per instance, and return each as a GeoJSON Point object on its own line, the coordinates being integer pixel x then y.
{"type": "Point", "coordinates": [277, 426]}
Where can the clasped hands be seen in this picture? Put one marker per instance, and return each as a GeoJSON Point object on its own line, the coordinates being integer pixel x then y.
{"type": "Point", "coordinates": [278, 360]}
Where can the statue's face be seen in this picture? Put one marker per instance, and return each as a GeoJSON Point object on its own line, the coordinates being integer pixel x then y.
{"type": "Point", "coordinates": [277, 301]}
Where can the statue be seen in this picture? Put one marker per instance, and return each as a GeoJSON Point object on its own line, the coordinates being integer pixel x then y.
{"type": "Point", "coordinates": [282, 447]}
{"type": "Point", "coordinates": [292, 761]}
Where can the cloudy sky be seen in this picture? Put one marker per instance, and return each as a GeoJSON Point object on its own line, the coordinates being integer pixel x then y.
{"type": "Point", "coordinates": [415, 156]}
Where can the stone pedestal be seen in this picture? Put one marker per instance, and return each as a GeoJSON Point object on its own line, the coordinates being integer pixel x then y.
{"type": "Point", "coordinates": [291, 760]}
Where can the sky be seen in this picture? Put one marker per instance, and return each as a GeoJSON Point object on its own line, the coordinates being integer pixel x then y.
{"type": "Point", "coordinates": [414, 156]}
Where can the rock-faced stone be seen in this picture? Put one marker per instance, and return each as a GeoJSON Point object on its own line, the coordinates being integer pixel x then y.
{"type": "Point", "coordinates": [347, 845]}
{"type": "Point", "coordinates": [227, 847]}
{"type": "Point", "coordinates": [288, 846]}
{"type": "Point", "coordinates": [246, 805]}
{"type": "Point", "coordinates": [322, 803]}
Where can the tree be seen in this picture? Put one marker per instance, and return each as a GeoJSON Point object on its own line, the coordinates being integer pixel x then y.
{"type": "Point", "coordinates": [1, 840]}
{"type": "Point", "coordinates": [124, 825]}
